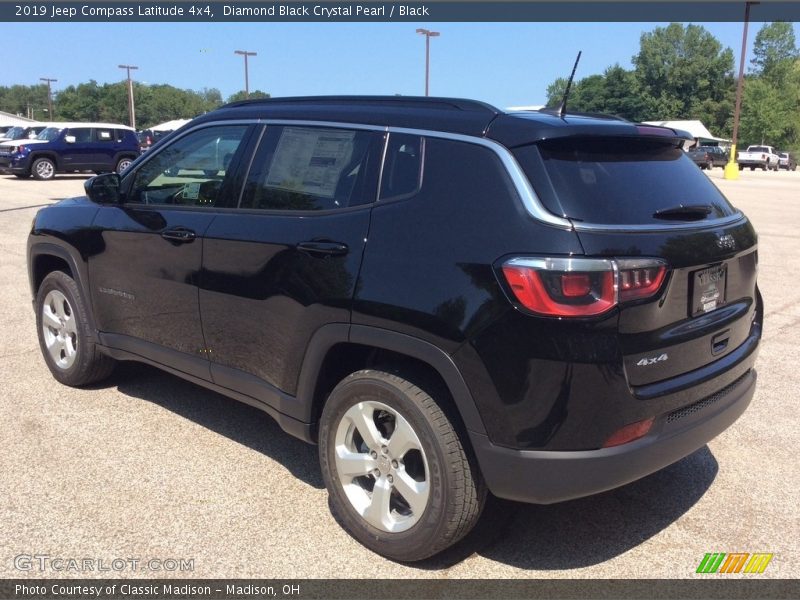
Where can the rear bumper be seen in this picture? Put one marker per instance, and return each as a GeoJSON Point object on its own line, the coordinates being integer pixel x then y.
{"type": "Point", "coordinates": [545, 477]}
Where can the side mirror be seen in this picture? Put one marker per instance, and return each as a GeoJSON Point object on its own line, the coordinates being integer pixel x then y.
{"type": "Point", "coordinates": [70, 139]}
{"type": "Point", "coordinates": [103, 189]}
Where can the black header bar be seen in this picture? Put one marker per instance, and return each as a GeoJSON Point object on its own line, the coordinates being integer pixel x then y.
{"type": "Point", "coordinates": [370, 11]}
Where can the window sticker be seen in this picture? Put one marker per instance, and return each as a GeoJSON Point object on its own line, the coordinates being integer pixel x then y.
{"type": "Point", "coordinates": [191, 191]}
{"type": "Point", "coordinates": [310, 160]}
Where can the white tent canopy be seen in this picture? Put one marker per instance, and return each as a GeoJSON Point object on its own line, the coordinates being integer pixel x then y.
{"type": "Point", "coordinates": [696, 128]}
{"type": "Point", "coordinates": [170, 125]}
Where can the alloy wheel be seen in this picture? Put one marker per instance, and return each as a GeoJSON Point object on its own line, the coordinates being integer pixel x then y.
{"type": "Point", "coordinates": [60, 329]}
{"type": "Point", "coordinates": [382, 466]}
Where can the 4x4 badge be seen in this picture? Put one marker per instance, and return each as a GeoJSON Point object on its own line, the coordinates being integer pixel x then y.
{"type": "Point", "coordinates": [651, 361]}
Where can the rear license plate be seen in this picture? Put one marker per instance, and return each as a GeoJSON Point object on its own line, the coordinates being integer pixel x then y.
{"type": "Point", "coordinates": [708, 289]}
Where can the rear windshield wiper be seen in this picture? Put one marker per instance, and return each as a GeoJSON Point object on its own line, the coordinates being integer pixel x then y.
{"type": "Point", "coordinates": [693, 212]}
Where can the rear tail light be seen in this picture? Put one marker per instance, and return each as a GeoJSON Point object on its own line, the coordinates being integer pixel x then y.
{"type": "Point", "coordinates": [581, 287]}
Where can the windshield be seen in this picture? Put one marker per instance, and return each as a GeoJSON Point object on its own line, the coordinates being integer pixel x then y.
{"type": "Point", "coordinates": [758, 149]}
{"type": "Point", "coordinates": [616, 180]}
{"type": "Point", "coordinates": [49, 134]}
{"type": "Point", "coordinates": [14, 133]}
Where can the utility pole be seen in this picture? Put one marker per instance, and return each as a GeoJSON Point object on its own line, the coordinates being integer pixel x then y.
{"type": "Point", "coordinates": [732, 169]}
{"type": "Point", "coordinates": [245, 53]}
{"type": "Point", "coordinates": [428, 35]}
{"type": "Point", "coordinates": [48, 81]}
{"type": "Point", "coordinates": [131, 109]}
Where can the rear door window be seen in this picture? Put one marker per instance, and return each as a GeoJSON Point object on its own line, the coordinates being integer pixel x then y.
{"type": "Point", "coordinates": [614, 181]}
{"type": "Point", "coordinates": [312, 169]}
{"type": "Point", "coordinates": [104, 135]}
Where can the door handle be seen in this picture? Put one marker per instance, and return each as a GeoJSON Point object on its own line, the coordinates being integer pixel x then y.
{"type": "Point", "coordinates": [179, 235]}
{"type": "Point", "coordinates": [321, 249]}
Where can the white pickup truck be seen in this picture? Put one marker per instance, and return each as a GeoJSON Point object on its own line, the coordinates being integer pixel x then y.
{"type": "Point", "coordinates": [763, 157]}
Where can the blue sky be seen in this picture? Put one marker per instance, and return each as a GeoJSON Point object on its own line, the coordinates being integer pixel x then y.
{"type": "Point", "coordinates": [505, 64]}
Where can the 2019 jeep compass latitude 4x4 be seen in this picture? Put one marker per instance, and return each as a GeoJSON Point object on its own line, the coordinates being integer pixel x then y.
{"type": "Point", "coordinates": [449, 299]}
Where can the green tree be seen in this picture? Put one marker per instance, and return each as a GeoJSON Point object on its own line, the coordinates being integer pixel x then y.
{"type": "Point", "coordinates": [615, 92]}
{"type": "Point", "coordinates": [555, 92]}
{"type": "Point", "coordinates": [20, 99]}
{"type": "Point", "coordinates": [682, 71]}
{"type": "Point", "coordinates": [774, 51]}
{"type": "Point", "coordinates": [765, 114]}
{"type": "Point", "coordinates": [240, 95]}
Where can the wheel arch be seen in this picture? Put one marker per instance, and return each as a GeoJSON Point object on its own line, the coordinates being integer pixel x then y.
{"type": "Point", "coordinates": [336, 350]}
{"type": "Point", "coordinates": [46, 257]}
{"type": "Point", "coordinates": [46, 154]}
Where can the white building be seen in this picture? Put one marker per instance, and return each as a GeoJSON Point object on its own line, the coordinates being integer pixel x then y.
{"type": "Point", "coordinates": [7, 119]}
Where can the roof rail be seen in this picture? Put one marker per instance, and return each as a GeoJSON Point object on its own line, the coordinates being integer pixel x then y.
{"type": "Point", "coordinates": [410, 101]}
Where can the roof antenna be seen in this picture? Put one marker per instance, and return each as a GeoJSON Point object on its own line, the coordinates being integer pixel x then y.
{"type": "Point", "coordinates": [562, 108]}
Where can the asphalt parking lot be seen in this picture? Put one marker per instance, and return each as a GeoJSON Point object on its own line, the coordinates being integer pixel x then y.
{"type": "Point", "coordinates": [147, 466]}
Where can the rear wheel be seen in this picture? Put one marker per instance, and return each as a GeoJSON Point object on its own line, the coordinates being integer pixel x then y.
{"type": "Point", "coordinates": [64, 333]}
{"type": "Point", "coordinates": [43, 168]}
{"type": "Point", "coordinates": [399, 478]}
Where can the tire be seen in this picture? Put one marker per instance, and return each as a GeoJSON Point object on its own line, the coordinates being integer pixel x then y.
{"type": "Point", "coordinates": [43, 169]}
{"type": "Point", "coordinates": [123, 164]}
{"type": "Point", "coordinates": [426, 465]}
{"type": "Point", "coordinates": [765, 167]}
{"type": "Point", "coordinates": [64, 334]}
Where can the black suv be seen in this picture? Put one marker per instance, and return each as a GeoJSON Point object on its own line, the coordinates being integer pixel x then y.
{"type": "Point", "coordinates": [449, 299]}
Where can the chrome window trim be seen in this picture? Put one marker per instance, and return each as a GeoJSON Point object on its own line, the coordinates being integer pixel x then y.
{"type": "Point", "coordinates": [524, 189]}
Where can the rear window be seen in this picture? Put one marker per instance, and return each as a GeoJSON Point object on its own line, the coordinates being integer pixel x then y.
{"type": "Point", "coordinates": [616, 180]}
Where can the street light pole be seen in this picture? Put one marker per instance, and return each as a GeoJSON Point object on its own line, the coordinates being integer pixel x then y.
{"type": "Point", "coordinates": [131, 109]}
{"type": "Point", "coordinates": [245, 53]}
{"type": "Point", "coordinates": [48, 81]}
{"type": "Point", "coordinates": [428, 35]}
{"type": "Point", "coordinates": [732, 169]}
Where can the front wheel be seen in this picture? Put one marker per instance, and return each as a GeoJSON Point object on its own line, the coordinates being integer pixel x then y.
{"type": "Point", "coordinates": [123, 164]}
{"type": "Point", "coordinates": [64, 333]}
{"type": "Point", "coordinates": [399, 478]}
{"type": "Point", "coordinates": [43, 169]}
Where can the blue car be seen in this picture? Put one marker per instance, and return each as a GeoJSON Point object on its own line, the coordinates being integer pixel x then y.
{"type": "Point", "coordinates": [71, 147]}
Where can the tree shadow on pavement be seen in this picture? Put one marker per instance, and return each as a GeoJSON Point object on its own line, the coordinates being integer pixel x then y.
{"type": "Point", "coordinates": [237, 421]}
{"type": "Point", "coordinates": [587, 531]}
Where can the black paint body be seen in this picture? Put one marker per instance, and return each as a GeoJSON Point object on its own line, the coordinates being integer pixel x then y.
{"type": "Point", "coordinates": [243, 309]}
